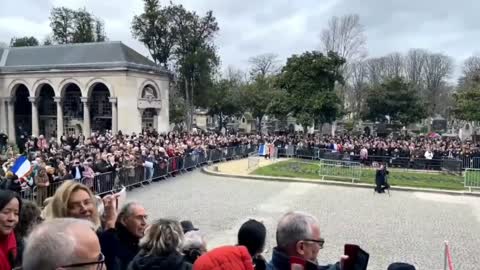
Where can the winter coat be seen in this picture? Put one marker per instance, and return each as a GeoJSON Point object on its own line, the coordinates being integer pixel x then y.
{"type": "Point", "coordinates": [8, 251]}
{"type": "Point", "coordinates": [173, 261]}
{"type": "Point", "coordinates": [281, 261]}
{"type": "Point", "coordinates": [41, 178]}
{"type": "Point", "coordinates": [225, 258]}
{"type": "Point", "coordinates": [381, 177]}
{"type": "Point", "coordinates": [119, 247]}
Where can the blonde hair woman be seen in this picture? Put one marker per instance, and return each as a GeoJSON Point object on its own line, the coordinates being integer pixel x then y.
{"type": "Point", "coordinates": [160, 248]}
{"type": "Point", "coordinates": [75, 200]}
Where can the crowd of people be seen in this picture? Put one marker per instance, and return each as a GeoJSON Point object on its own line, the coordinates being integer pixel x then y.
{"type": "Point", "coordinates": [434, 147]}
{"type": "Point", "coordinates": [73, 233]}
{"type": "Point", "coordinates": [81, 158]}
{"type": "Point", "coordinates": [70, 229]}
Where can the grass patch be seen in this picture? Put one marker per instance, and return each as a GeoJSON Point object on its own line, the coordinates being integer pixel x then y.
{"type": "Point", "coordinates": [309, 170]}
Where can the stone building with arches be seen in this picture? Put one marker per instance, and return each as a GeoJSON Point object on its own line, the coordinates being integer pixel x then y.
{"type": "Point", "coordinates": [81, 88]}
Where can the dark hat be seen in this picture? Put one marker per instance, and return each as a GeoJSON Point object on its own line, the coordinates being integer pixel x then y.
{"type": "Point", "coordinates": [187, 226]}
{"type": "Point", "coordinates": [252, 234]}
{"type": "Point", "coordinates": [401, 266]}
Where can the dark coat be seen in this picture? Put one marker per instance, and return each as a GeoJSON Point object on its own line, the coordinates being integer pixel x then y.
{"type": "Point", "coordinates": [119, 247]}
{"type": "Point", "coordinates": [73, 171]}
{"type": "Point", "coordinates": [281, 261]}
{"type": "Point", "coordinates": [173, 261]}
{"type": "Point", "coordinates": [381, 177]}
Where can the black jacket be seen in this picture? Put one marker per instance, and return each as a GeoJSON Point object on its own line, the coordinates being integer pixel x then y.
{"type": "Point", "coordinates": [73, 171]}
{"type": "Point", "coordinates": [281, 261]}
{"type": "Point", "coordinates": [119, 247]}
{"type": "Point", "coordinates": [381, 177]}
{"type": "Point", "coordinates": [173, 261]}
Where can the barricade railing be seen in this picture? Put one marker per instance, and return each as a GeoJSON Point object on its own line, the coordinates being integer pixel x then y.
{"type": "Point", "coordinates": [253, 161]}
{"type": "Point", "coordinates": [406, 162]}
{"type": "Point", "coordinates": [472, 179]}
{"type": "Point", "coordinates": [104, 183]}
{"type": "Point", "coordinates": [306, 152]}
{"type": "Point", "coordinates": [229, 153]}
{"type": "Point", "coordinates": [39, 194]}
{"type": "Point", "coordinates": [340, 169]}
{"type": "Point", "coordinates": [215, 155]}
{"type": "Point", "coordinates": [467, 162]}
{"type": "Point", "coordinates": [132, 176]}
{"type": "Point", "coordinates": [175, 164]}
{"type": "Point", "coordinates": [190, 161]}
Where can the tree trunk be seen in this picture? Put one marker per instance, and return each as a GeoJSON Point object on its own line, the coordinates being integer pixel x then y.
{"type": "Point", "coordinates": [334, 128]}
{"type": "Point", "coordinates": [189, 109]}
{"type": "Point", "coordinates": [192, 107]}
{"type": "Point", "coordinates": [260, 124]}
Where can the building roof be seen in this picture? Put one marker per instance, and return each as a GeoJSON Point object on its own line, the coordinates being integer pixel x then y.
{"type": "Point", "coordinates": [83, 56]}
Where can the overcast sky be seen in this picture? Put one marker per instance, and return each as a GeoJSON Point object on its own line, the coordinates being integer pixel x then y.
{"type": "Point", "coordinates": [284, 27]}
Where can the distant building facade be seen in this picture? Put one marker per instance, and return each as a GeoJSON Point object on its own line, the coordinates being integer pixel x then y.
{"type": "Point", "coordinates": [80, 88]}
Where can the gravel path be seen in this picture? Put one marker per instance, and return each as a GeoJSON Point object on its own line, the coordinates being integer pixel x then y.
{"type": "Point", "coordinates": [409, 227]}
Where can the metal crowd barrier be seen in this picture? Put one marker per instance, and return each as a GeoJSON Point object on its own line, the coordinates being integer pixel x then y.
{"type": "Point", "coordinates": [130, 176]}
{"type": "Point", "coordinates": [472, 179]}
{"type": "Point", "coordinates": [467, 162]}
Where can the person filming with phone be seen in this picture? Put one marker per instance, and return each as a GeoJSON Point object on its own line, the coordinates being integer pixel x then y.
{"type": "Point", "coordinates": [298, 244]}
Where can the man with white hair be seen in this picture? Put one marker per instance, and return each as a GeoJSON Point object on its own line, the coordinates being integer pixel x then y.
{"type": "Point", "coordinates": [298, 235]}
{"type": "Point", "coordinates": [63, 243]}
{"type": "Point", "coordinates": [120, 243]}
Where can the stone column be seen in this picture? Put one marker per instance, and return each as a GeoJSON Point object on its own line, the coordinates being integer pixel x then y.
{"type": "Point", "coordinates": [86, 117]}
{"type": "Point", "coordinates": [140, 111]}
{"type": "Point", "coordinates": [35, 126]}
{"type": "Point", "coordinates": [60, 131]}
{"type": "Point", "coordinates": [113, 100]}
{"type": "Point", "coordinates": [11, 120]}
{"type": "Point", "coordinates": [3, 116]}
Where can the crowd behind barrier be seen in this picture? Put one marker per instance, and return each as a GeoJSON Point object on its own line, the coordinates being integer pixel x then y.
{"type": "Point", "coordinates": [130, 177]}
{"type": "Point", "coordinates": [113, 160]}
{"type": "Point", "coordinates": [395, 161]}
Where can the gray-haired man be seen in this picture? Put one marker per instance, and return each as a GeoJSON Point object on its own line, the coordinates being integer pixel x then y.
{"type": "Point", "coordinates": [63, 243]}
{"type": "Point", "coordinates": [120, 242]}
{"type": "Point", "coordinates": [298, 235]}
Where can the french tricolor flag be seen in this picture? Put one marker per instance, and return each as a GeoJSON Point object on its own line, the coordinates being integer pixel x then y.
{"type": "Point", "coordinates": [22, 167]}
{"type": "Point", "coordinates": [262, 150]}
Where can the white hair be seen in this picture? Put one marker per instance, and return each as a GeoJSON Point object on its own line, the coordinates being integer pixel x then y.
{"type": "Point", "coordinates": [127, 210]}
{"type": "Point", "coordinates": [293, 227]}
{"type": "Point", "coordinates": [194, 239]}
{"type": "Point", "coordinates": [52, 244]}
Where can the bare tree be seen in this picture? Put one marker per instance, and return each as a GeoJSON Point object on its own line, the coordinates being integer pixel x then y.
{"type": "Point", "coordinates": [345, 36]}
{"type": "Point", "coordinates": [414, 65]}
{"type": "Point", "coordinates": [471, 66]}
{"type": "Point", "coordinates": [438, 67]}
{"type": "Point", "coordinates": [264, 65]}
{"type": "Point", "coordinates": [376, 68]}
{"type": "Point", "coordinates": [394, 65]}
{"type": "Point", "coordinates": [358, 84]}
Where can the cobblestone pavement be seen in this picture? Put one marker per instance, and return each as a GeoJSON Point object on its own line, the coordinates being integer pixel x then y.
{"type": "Point", "coordinates": [409, 227]}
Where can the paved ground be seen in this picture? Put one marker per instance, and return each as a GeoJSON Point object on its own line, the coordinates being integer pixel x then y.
{"type": "Point", "coordinates": [407, 226]}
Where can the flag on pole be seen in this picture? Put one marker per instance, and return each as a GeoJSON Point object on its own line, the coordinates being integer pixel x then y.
{"type": "Point", "coordinates": [22, 167]}
{"type": "Point", "coordinates": [262, 150]}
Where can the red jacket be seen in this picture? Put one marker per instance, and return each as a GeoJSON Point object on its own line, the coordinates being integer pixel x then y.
{"type": "Point", "coordinates": [8, 249]}
{"type": "Point", "coordinates": [225, 258]}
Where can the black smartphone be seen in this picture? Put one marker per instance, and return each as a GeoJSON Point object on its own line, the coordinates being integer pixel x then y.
{"type": "Point", "coordinates": [357, 258]}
